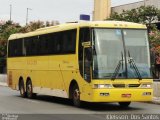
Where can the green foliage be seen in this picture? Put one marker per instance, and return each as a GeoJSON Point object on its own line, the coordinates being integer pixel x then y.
{"type": "Point", "coordinates": [144, 15]}
{"type": "Point", "coordinates": [7, 28]}
{"type": "Point", "coordinates": [33, 26]}
{"type": "Point", "coordinates": [154, 37]}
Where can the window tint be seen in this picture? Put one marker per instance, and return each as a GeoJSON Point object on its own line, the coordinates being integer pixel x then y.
{"type": "Point", "coordinates": [15, 48]}
{"type": "Point", "coordinates": [32, 46]}
{"type": "Point", "coordinates": [54, 43]}
{"type": "Point", "coordinates": [84, 36]}
{"type": "Point", "coordinates": [68, 41]}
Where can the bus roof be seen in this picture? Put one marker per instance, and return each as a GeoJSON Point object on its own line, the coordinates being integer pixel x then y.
{"type": "Point", "coordinates": [73, 25]}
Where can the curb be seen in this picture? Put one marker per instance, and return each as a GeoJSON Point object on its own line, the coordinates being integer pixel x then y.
{"type": "Point", "coordinates": [3, 77]}
{"type": "Point", "coordinates": [156, 100]}
{"type": "Point", "coordinates": [3, 84]}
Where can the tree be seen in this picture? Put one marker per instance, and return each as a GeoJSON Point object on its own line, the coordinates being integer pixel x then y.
{"type": "Point", "coordinates": [7, 28]}
{"type": "Point", "coordinates": [32, 26]}
{"type": "Point", "coordinates": [144, 14]}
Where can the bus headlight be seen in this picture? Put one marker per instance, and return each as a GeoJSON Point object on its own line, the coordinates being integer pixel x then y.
{"type": "Point", "coordinates": [102, 86]}
{"type": "Point", "coordinates": [146, 86]}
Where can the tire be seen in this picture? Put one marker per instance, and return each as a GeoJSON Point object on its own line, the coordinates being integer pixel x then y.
{"type": "Point", "coordinates": [76, 96]}
{"type": "Point", "coordinates": [22, 89]}
{"type": "Point", "coordinates": [29, 90]}
{"type": "Point", "coordinates": [124, 104]}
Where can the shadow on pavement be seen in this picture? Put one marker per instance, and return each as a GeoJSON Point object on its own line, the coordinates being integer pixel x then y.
{"type": "Point", "coordinates": [100, 107]}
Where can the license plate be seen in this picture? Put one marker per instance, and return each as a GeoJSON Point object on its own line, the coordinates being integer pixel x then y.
{"type": "Point", "coordinates": [126, 95]}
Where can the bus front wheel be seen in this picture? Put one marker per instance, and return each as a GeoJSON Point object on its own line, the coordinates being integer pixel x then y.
{"type": "Point", "coordinates": [124, 104]}
{"type": "Point", "coordinates": [76, 96]}
{"type": "Point", "coordinates": [29, 90]}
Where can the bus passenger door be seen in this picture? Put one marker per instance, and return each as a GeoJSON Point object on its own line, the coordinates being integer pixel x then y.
{"type": "Point", "coordinates": [87, 63]}
{"type": "Point", "coordinates": [87, 72]}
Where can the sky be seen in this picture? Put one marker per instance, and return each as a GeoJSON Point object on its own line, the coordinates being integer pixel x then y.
{"type": "Point", "coordinates": [48, 10]}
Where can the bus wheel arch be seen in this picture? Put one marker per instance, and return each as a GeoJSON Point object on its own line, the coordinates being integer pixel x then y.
{"type": "Point", "coordinates": [22, 87]}
{"type": "Point", "coordinates": [74, 93]}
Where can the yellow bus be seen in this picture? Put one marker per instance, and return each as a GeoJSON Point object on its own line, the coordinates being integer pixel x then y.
{"type": "Point", "coordinates": [96, 61]}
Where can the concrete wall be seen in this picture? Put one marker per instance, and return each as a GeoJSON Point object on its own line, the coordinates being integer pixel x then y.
{"type": "Point", "coordinates": [3, 78]}
{"type": "Point", "coordinates": [119, 9]}
{"type": "Point", "coordinates": [156, 89]}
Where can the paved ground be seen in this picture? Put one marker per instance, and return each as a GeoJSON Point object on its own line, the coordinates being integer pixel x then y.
{"type": "Point", "coordinates": [46, 107]}
{"type": "Point", "coordinates": [156, 100]}
{"type": "Point", "coordinates": [3, 82]}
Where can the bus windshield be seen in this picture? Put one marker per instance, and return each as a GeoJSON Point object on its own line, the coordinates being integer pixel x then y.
{"type": "Point", "coordinates": [120, 53]}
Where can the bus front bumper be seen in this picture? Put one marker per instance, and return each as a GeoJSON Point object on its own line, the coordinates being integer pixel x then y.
{"type": "Point", "coordinates": [121, 95]}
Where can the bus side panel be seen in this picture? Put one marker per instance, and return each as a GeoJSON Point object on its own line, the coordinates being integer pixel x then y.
{"type": "Point", "coordinates": [15, 70]}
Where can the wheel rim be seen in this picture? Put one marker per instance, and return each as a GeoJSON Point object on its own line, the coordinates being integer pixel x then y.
{"type": "Point", "coordinates": [22, 90]}
{"type": "Point", "coordinates": [29, 90]}
{"type": "Point", "coordinates": [76, 96]}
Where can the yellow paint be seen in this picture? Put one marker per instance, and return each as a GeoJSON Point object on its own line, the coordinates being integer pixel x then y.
{"type": "Point", "coordinates": [57, 71]}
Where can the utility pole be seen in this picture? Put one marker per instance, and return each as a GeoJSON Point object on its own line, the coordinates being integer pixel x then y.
{"type": "Point", "coordinates": [10, 12]}
{"type": "Point", "coordinates": [27, 15]}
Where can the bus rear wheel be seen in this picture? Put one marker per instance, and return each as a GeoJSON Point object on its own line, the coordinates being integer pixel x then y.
{"type": "Point", "coordinates": [124, 104]}
{"type": "Point", "coordinates": [76, 96]}
{"type": "Point", "coordinates": [29, 90]}
{"type": "Point", "coordinates": [22, 89]}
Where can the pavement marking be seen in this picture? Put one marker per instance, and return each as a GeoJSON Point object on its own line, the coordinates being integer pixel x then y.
{"type": "Point", "coordinates": [33, 101]}
{"type": "Point", "coordinates": [156, 100]}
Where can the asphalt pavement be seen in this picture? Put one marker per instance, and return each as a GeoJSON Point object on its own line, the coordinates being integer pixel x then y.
{"type": "Point", "coordinates": [3, 82]}
{"type": "Point", "coordinates": [52, 108]}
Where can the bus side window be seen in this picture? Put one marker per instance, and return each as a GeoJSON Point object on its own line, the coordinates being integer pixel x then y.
{"type": "Point", "coordinates": [84, 36]}
{"type": "Point", "coordinates": [15, 48]}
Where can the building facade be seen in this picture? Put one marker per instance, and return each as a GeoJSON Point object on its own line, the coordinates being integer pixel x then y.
{"type": "Point", "coordinates": [119, 9]}
{"type": "Point", "coordinates": [102, 9]}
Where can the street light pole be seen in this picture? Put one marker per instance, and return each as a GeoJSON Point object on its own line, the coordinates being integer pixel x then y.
{"type": "Point", "coordinates": [27, 15]}
{"type": "Point", "coordinates": [10, 12]}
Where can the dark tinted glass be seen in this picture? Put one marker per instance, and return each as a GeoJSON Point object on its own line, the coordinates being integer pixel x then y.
{"type": "Point", "coordinates": [54, 43]}
{"type": "Point", "coordinates": [15, 48]}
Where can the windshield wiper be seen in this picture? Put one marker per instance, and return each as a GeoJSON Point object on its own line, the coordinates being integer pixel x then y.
{"type": "Point", "coordinates": [120, 63]}
{"type": "Point", "coordinates": [131, 62]}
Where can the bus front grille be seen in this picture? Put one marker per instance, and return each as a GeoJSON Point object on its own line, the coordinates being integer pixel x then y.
{"type": "Point", "coordinates": [126, 85]}
{"type": "Point", "coordinates": [134, 85]}
{"type": "Point", "coordinates": [119, 85]}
